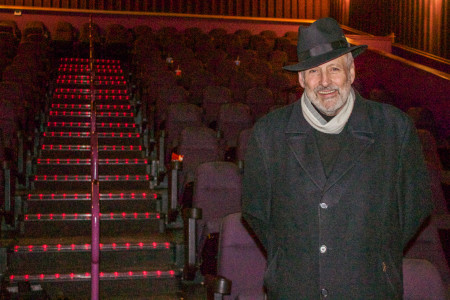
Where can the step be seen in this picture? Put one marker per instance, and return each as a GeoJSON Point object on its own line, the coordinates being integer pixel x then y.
{"type": "Point", "coordinates": [76, 60]}
{"type": "Point", "coordinates": [87, 91]}
{"type": "Point", "coordinates": [74, 224]}
{"type": "Point", "coordinates": [86, 71]}
{"type": "Point", "coordinates": [87, 114]}
{"type": "Point", "coordinates": [88, 77]}
{"type": "Point", "coordinates": [80, 116]}
{"type": "Point", "coordinates": [133, 200]}
{"type": "Point", "coordinates": [86, 99]}
{"type": "Point", "coordinates": [87, 107]}
{"type": "Point", "coordinates": [83, 137]}
{"type": "Point", "coordinates": [73, 254]}
{"type": "Point", "coordinates": [84, 151]}
{"type": "Point", "coordinates": [85, 65]}
{"type": "Point", "coordinates": [83, 182]}
{"type": "Point", "coordinates": [114, 285]}
{"type": "Point", "coordinates": [52, 166]}
{"type": "Point", "coordinates": [87, 82]}
{"type": "Point", "coordinates": [84, 126]}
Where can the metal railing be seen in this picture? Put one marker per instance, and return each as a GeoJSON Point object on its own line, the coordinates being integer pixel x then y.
{"type": "Point", "coordinates": [95, 207]}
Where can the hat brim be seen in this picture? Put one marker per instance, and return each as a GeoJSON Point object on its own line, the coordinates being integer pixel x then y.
{"type": "Point", "coordinates": [315, 61]}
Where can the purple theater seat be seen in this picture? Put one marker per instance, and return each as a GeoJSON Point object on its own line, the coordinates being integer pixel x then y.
{"type": "Point", "coordinates": [213, 98]}
{"type": "Point", "coordinates": [180, 116]}
{"type": "Point", "coordinates": [421, 280]}
{"type": "Point", "coordinates": [240, 83]}
{"type": "Point", "coordinates": [12, 92]}
{"type": "Point", "coordinates": [152, 83]}
{"type": "Point", "coordinates": [281, 85]}
{"type": "Point", "coordinates": [197, 145]}
{"type": "Point", "coordinates": [233, 118]}
{"type": "Point", "coordinates": [196, 82]}
{"type": "Point", "coordinates": [260, 100]}
{"type": "Point", "coordinates": [427, 245]}
{"type": "Point", "coordinates": [240, 259]}
{"type": "Point", "coordinates": [166, 96]}
{"type": "Point", "coordinates": [217, 191]}
{"type": "Point", "coordinates": [9, 126]}
{"type": "Point", "coordinates": [2, 172]}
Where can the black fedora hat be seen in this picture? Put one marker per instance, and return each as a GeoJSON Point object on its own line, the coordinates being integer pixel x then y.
{"type": "Point", "coordinates": [320, 42]}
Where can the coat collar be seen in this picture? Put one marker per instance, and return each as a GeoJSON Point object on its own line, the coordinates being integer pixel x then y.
{"type": "Point", "coordinates": [302, 142]}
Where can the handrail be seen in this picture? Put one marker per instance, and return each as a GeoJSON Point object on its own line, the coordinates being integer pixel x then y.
{"type": "Point", "coordinates": [95, 209]}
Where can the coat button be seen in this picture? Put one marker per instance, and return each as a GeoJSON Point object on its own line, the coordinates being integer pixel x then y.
{"type": "Point", "coordinates": [323, 205]}
{"type": "Point", "coordinates": [324, 292]}
{"type": "Point", "coordinates": [323, 249]}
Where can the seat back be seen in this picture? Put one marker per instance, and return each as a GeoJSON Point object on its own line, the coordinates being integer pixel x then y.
{"type": "Point", "coordinates": [197, 145]}
{"type": "Point", "coordinates": [233, 118]}
{"type": "Point", "coordinates": [217, 191]}
{"type": "Point", "coordinates": [240, 259]}
{"type": "Point", "coordinates": [260, 100]}
{"type": "Point", "coordinates": [281, 85]}
{"type": "Point", "coordinates": [180, 116]}
{"type": "Point", "coordinates": [240, 83]}
{"type": "Point", "coordinates": [213, 98]}
{"type": "Point", "coordinates": [427, 245]}
{"type": "Point", "coordinates": [64, 32]}
{"type": "Point", "coordinates": [421, 280]}
{"type": "Point", "coordinates": [166, 96]}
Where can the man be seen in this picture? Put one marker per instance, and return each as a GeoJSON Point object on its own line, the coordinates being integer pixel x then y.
{"type": "Point", "coordinates": [334, 185]}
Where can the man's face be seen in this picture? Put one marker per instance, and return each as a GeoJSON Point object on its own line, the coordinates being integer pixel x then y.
{"type": "Point", "coordinates": [328, 85]}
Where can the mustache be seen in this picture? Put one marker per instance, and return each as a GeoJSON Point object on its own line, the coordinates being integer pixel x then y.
{"type": "Point", "coordinates": [330, 87]}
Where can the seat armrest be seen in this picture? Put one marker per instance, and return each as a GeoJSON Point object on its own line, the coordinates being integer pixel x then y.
{"type": "Point", "coordinates": [222, 286]}
{"type": "Point", "coordinates": [190, 215]}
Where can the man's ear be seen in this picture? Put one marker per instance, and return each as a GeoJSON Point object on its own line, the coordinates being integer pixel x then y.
{"type": "Point", "coordinates": [301, 80]}
{"type": "Point", "coordinates": [352, 72]}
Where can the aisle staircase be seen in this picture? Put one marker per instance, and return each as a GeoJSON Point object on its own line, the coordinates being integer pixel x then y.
{"type": "Point", "coordinates": [140, 258]}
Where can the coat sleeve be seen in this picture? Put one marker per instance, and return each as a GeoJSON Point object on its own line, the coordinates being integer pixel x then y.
{"type": "Point", "coordinates": [256, 194]}
{"type": "Point", "coordinates": [414, 192]}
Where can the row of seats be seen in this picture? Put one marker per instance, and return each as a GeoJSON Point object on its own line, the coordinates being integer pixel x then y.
{"type": "Point", "coordinates": [25, 77]}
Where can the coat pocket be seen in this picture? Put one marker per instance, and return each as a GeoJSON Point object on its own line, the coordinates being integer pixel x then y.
{"type": "Point", "coordinates": [392, 276]}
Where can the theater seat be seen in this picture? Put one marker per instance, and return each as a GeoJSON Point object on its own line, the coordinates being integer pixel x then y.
{"type": "Point", "coordinates": [213, 98]}
{"type": "Point", "coordinates": [197, 145]}
{"type": "Point", "coordinates": [260, 100]}
{"type": "Point", "coordinates": [233, 118]}
{"type": "Point", "coordinates": [421, 281]}
{"type": "Point", "coordinates": [427, 245]}
{"type": "Point", "coordinates": [240, 259]}
{"type": "Point", "coordinates": [217, 192]}
{"type": "Point", "coordinates": [180, 116]}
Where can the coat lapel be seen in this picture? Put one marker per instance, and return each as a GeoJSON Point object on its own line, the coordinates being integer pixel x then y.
{"type": "Point", "coordinates": [301, 140]}
{"type": "Point", "coordinates": [359, 137]}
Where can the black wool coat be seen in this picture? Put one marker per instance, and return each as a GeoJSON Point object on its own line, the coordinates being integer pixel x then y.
{"type": "Point", "coordinates": [340, 237]}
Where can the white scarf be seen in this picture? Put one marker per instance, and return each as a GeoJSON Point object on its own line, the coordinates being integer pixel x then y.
{"type": "Point", "coordinates": [336, 124]}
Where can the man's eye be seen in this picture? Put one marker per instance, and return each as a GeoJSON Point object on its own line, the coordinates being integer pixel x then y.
{"type": "Point", "coordinates": [335, 69]}
{"type": "Point", "coordinates": [312, 71]}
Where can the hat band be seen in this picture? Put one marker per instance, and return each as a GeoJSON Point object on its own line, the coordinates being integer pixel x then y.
{"type": "Point", "coordinates": [322, 49]}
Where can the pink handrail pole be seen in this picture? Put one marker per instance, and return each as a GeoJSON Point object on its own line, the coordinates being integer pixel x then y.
{"type": "Point", "coordinates": [95, 208]}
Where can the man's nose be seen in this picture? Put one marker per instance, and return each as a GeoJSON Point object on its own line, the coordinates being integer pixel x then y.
{"type": "Point", "coordinates": [325, 79]}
